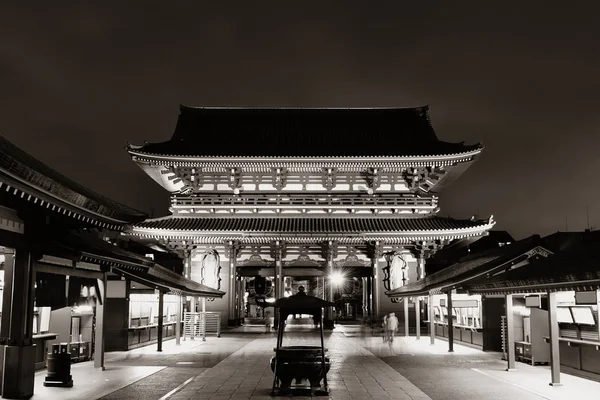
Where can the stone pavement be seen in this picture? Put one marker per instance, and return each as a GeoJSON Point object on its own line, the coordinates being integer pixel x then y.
{"type": "Point", "coordinates": [355, 373]}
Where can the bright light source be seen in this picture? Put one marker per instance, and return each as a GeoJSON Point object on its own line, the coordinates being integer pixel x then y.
{"type": "Point", "coordinates": [270, 300]}
{"type": "Point", "coordinates": [336, 278]}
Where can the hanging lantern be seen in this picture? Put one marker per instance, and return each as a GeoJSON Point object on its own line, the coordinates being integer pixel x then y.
{"type": "Point", "coordinates": [211, 269]}
{"type": "Point", "coordinates": [396, 271]}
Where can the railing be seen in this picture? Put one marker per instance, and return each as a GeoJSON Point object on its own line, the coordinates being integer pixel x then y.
{"type": "Point", "coordinates": [199, 324]}
{"type": "Point", "coordinates": [303, 202]}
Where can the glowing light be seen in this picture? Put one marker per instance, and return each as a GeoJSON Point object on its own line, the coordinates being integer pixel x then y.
{"type": "Point", "coordinates": [336, 278]}
{"type": "Point", "coordinates": [270, 300]}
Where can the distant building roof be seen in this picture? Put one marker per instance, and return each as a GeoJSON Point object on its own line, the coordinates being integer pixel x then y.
{"type": "Point", "coordinates": [37, 182]}
{"type": "Point", "coordinates": [304, 132]}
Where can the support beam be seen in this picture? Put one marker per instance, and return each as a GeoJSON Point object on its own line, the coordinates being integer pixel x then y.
{"type": "Point", "coordinates": [418, 317]}
{"type": "Point", "coordinates": [233, 287]}
{"type": "Point", "coordinates": [278, 278]}
{"type": "Point", "coordinates": [18, 361]}
{"type": "Point", "coordinates": [376, 287]}
{"type": "Point", "coordinates": [450, 324]}
{"type": "Point", "coordinates": [203, 319]}
{"type": "Point", "coordinates": [178, 321]}
{"type": "Point", "coordinates": [161, 303]}
{"type": "Point", "coordinates": [99, 335]}
{"type": "Point", "coordinates": [510, 333]}
{"type": "Point", "coordinates": [406, 327]}
{"type": "Point", "coordinates": [365, 298]}
{"type": "Point", "coordinates": [554, 346]}
{"type": "Point", "coordinates": [431, 321]}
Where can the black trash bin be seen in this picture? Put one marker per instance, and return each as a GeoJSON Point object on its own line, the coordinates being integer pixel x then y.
{"type": "Point", "coordinates": [59, 366]}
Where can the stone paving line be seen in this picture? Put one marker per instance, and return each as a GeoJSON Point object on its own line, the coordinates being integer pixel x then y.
{"type": "Point", "coordinates": [356, 374]}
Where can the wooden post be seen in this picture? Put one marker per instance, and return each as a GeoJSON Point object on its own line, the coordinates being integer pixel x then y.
{"type": "Point", "coordinates": [203, 319]}
{"type": "Point", "coordinates": [510, 333]}
{"type": "Point", "coordinates": [233, 287]}
{"type": "Point", "coordinates": [160, 321]}
{"type": "Point", "coordinates": [99, 335]}
{"type": "Point", "coordinates": [418, 317]}
{"type": "Point", "coordinates": [554, 346]}
{"type": "Point", "coordinates": [406, 327]}
{"type": "Point", "coordinates": [450, 324]}
{"type": "Point", "coordinates": [431, 321]}
{"type": "Point", "coordinates": [178, 321]}
{"type": "Point", "coordinates": [376, 289]}
{"type": "Point", "coordinates": [278, 279]}
{"type": "Point", "coordinates": [18, 362]}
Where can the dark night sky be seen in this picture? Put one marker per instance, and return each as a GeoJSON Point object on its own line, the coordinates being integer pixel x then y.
{"type": "Point", "coordinates": [77, 83]}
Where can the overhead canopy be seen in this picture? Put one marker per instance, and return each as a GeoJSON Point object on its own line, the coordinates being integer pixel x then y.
{"type": "Point", "coordinates": [87, 247]}
{"type": "Point", "coordinates": [576, 267]}
{"type": "Point", "coordinates": [467, 269]}
{"type": "Point", "coordinates": [304, 132]}
{"type": "Point", "coordinates": [33, 181]}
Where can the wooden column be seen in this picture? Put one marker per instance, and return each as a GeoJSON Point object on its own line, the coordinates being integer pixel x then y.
{"type": "Point", "coordinates": [178, 321]}
{"type": "Point", "coordinates": [161, 302]}
{"type": "Point", "coordinates": [18, 361]}
{"type": "Point", "coordinates": [365, 297]}
{"type": "Point", "coordinates": [450, 324]}
{"type": "Point", "coordinates": [203, 300]}
{"type": "Point", "coordinates": [554, 344]}
{"type": "Point", "coordinates": [406, 327]}
{"type": "Point", "coordinates": [510, 333]}
{"type": "Point", "coordinates": [233, 287]}
{"type": "Point", "coordinates": [99, 334]}
{"type": "Point", "coordinates": [431, 321]}
{"type": "Point", "coordinates": [278, 281]}
{"type": "Point", "coordinates": [187, 272]}
{"type": "Point", "coordinates": [418, 317]}
{"type": "Point", "coordinates": [376, 289]}
{"type": "Point", "coordinates": [420, 275]}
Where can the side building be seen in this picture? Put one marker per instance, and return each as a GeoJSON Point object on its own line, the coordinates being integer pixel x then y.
{"type": "Point", "coordinates": [343, 201]}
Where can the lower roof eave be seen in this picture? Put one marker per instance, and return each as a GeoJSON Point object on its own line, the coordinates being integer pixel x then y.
{"type": "Point", "coordinates": [593, 284]}
{"type": "Point", "coordinates": [407, 293]}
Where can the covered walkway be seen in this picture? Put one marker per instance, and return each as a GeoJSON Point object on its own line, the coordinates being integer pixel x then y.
{"type": "Point", "coordinates": [236, 366]}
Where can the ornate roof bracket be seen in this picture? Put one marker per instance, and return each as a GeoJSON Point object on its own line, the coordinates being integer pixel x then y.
{"type": "Point", "coordinates": [375, 249]}
{"type": "Point", "coordinates": [191, 177]}
{"type": "Point", "coordinates": [279, 177]}
{"type": "Point", "coordinates": [423, 178]}
{"type": "Point", "coordinates": [373, 178]}
{"type": "Point", "coordinates": [235, 178]}
{"type": "Point", "coordinates": [329, 177]}
{"type": "Point", "coordinates": [233, 249]}
{"type": "Point", "coordinates": [275, 246]}
{"type": "Point", "coordinates": [329, 249]}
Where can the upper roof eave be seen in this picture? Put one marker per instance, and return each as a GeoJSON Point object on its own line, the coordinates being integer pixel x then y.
{"type": "Point", "coordinates": [137, 151]}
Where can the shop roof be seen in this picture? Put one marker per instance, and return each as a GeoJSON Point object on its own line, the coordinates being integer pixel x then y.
{"type": "Point", "coordinates": [467, 268]}
{"type": "Point", "coordinates": [303, 132]}
{"type": "Point", "coordinates": [88, 247]}
{"type": "Point", "coordinates": [24, 175]}
{"type": "Point", "coordinates": [575, 267]}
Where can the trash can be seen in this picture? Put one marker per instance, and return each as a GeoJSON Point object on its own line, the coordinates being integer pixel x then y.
{"type": "Point", "coordinates": [59, 366]}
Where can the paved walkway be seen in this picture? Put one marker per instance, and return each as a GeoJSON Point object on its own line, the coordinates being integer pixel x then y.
{"type": "Point", "coordinates": [236, 366]}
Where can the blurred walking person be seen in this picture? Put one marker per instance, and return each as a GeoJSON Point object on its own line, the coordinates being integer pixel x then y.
{"type": "Point", "coordinates": [392, 326]}
{"type": "Point", "coordinates": [384, 328]}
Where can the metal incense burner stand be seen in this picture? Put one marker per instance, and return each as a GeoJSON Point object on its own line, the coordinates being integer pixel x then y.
{"type": "Point", "coordinates": [300, 363]}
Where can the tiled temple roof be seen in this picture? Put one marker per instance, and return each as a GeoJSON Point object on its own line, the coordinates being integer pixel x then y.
{"type": "Point", "coordinates": [304, 132]}
{"type": "Point", "coordinates": [30, 176]}
{"type": "Point", "coordinates": [307, 225]}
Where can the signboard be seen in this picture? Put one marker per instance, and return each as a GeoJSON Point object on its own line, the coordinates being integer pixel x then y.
{"type": "Point", "coordinates": [590, 297]}
{"type": "Point", "coordinates": [461, 303]}
{"type": "Point", "coordinates": [533, 301]}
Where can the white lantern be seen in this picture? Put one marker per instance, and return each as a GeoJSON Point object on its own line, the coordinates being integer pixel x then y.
{"type": "Point", "coordinates": [211, 269]}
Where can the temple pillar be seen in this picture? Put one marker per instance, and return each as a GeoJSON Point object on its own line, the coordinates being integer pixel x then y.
{"type": "Point", "coordinates": [420, 275]}
{"type": "Point", "coordinates": [406, 327]}
{"type": "Point", "coordinates": [431, 321]}
{"type": "Point", "coordinates": [554, 344]}
{"type": "Point", "coordinates": [233, 287]}
{"type": "Point", "coordinates": [161, 303]}
{"type": "Point", "coordinates": [187, 273]}
{"type": "Point", "coordinates": [178, 321]}
{"type": "Point", "coordinates": [99, 335]}
{"type": "Point", "coordinates": [278, 281]}
{"type": "Point", "coordinates": [17, 351]}
{"type": "Point", "coordinates": [328, 285]}
{"type": "Point", "coordinates": [203, 319]}
{"type": "Point", "coordinates": [376, 279]}
{"type": "Point", "coordinates": [510, 333]}
{"type": "Point", "coordinates": [450, 324]}
{"type": "Point", "coordinates": [365, 297]}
